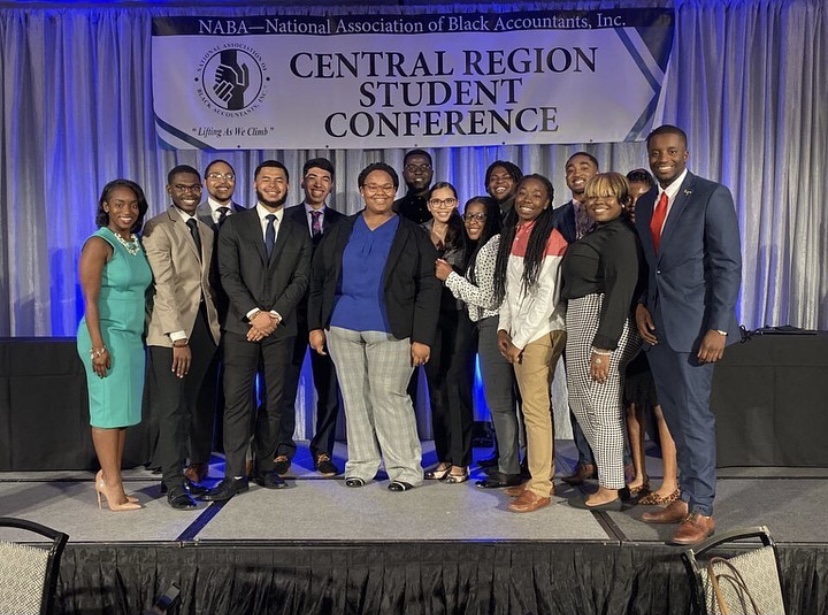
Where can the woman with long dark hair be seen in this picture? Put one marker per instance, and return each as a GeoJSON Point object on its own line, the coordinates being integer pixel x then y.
{"type": "Point", "coordinates": [476, 288]}
{"type": "Point", "coordinates": [531, 331]}
{"type": "Point", "coordinates": [450, 370]}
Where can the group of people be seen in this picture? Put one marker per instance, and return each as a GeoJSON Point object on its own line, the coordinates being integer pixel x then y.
{"type": "Point", "coordinates": [421, 281]}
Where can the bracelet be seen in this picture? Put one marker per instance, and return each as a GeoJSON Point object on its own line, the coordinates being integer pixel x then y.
{"type": "Point", "coordinates": [603, 353]}
{"type": "Point", "coordinates": [95, 353]}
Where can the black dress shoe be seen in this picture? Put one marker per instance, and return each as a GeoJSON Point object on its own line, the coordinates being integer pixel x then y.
{"type": "Point", "coordinates": [225, 490]}
{"type": "Point", "coordinates": [489, 462]}
{"type": "Point", "coordinates": [270, 480]}
{"type": "Point", "coordinates": [354, 482]}
{"type": "Point", "coordinates": [179, 499]}
{"type": "Point", "coordinates": [281, 463]}
{"type": "Point", "coordinates": [498, 480]}
{"type": "Point", "coordinates": [399, 485]}
{"type": "Point", "coordinates": [192, 488]}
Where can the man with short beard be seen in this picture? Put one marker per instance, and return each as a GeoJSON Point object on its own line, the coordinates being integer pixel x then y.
{"type": "Point", "coordinates": [417, 174]}
{"type": "Point", "coordinates": [264, 262]}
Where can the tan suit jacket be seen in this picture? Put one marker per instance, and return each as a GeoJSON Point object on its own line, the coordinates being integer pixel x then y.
{"type": "Point", "coordinates": [180, 279]}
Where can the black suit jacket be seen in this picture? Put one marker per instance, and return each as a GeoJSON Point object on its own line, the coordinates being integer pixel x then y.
{"type": "Point", "coordinates": [412, 293]}
{"type": "Point", "coordinates": [251, 280]}
{"type": "Point", "coordinates": [563, 218]}
{"type": "Point", "coordinates": [205, 215]}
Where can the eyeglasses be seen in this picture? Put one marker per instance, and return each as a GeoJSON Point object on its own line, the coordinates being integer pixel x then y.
{"type": "Point", "coordinates": [478, 217]}
{"type": "Point", "coordinates": [375, 189]}
{"type": "Point", "coordinates": [414, 168]}
{"type": "Point", "coordinates": [187, 188]}
{"type": "Point", "coordinates": [443, 203]}
{"type": "Point", "coordinates": [218, 176]}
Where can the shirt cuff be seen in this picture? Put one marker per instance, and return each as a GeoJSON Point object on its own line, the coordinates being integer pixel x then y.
{"type": "Point", "coordinates": [277, 315]}
{"type": "Point", "coordinates": [252, 313]}
{"type": "Point", "coordinates": [178, 335]}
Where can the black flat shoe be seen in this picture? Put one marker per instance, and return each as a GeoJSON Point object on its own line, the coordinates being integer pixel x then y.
{"type": "Point", "coordinates": [399, 485]}
{"type": "Point", "coordinates": [354, 482]}
{"type": "Point", "coordinates": [615, 505]}
{"type": "Point", "coordinates": [497, 480]}
{"type": "Point", "coordinates": [270, 480]}
{"type": "Point", "coordinates": [225, 490]}
{"type": "Point", "coordinates": [179, 499]}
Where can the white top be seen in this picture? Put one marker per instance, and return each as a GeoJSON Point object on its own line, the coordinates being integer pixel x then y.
{"type": "Point", "coordinates": [479, 298]}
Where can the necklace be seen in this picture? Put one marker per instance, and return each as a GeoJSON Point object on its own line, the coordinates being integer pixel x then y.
{"type": "Point", "coordinates": [131, 246]}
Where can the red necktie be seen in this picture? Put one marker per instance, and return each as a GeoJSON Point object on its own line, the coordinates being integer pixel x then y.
{"type": "Point", "coordinates": [657, 221]}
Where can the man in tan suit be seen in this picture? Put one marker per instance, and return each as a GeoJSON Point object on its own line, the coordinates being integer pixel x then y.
{"type": "Point", "coordinates": [183, 327]}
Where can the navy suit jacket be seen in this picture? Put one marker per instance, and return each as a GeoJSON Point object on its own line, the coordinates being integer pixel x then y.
{"type": "Point", "coordinates": [563, 218]}
{"type": "Point", "coordinates": [693, 281]}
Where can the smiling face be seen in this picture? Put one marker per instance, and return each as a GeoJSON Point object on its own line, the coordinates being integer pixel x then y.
{"type": "Point", "coordinates": [122, 210]}
{"type": "Point", "coordinates": [378, 192]}
{"type": "Point", "coordinates": [317, 185]}
{"type": "Point", "coordinates": [220, 182]}
{"type": "Point", "coordinates": [185, 191]}
{"type": "Point", "coordinates": [475, 220]}
{"type": "Point", "coordinates": [501, 184]}
{"type": "Point", "coordinates": [417, 172]}
{"type": "Point", "coordinates": [603, 208]}
{"type": "Point", "coordinates": [531, 199]}
{"type": "Point", "coordinates": [442, 204]}
{"type": "Point", "coordinates": [668, 157]}
{"type": "Point", "coordinates": [271, 186]}
{"type": "Point", "coordinates": [579, 170]}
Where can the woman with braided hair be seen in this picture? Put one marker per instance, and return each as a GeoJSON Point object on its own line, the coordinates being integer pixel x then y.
{"type": "Point", "coordinates": [532, 327]}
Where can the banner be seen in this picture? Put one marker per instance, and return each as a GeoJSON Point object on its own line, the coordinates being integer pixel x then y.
{"type": "Point", "coordinates": [425, 80]}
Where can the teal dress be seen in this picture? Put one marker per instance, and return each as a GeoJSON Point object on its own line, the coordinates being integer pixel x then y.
{"type": "Point", "coordinates": [115, 401]}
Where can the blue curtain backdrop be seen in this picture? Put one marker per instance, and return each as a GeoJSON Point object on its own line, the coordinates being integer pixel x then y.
{"type": "Point", "coordinates": [748, 81]}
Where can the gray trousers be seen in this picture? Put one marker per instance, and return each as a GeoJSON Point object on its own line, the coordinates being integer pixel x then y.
{"type": "Point", "coordinates": [499, 387]}
{"type": "Point", "coordinates": [373, 369]}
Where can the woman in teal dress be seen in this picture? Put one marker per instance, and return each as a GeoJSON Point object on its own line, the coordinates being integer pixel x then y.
{"type": "Point", "coordinates": [114, 275]}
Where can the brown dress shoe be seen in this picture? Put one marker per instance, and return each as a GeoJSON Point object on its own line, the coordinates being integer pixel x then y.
{"type": "Point", "coordinates": [528, 502]}
{"type": "Point", "coordinates": [674, 513]}
{"type": "Point", "coordinates": [516, 490]}
{"type": "Point", "coordinates": [695, 529]}
{"type": "Point", "coordinates": [583, 472]}
{"type": "Point", "coordinates": [196, 472]}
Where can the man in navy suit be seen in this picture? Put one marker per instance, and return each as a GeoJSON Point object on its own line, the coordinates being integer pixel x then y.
{"type": "Point", "coordinates": [264, 262]}
{"type": "Point", "coordinates": [314, 214]}
{"type": "Point", "coordinates": [690, 235]}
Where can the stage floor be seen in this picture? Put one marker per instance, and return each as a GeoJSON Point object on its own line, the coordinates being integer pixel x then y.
{"type": "Point", "coordinates": [318, 513]}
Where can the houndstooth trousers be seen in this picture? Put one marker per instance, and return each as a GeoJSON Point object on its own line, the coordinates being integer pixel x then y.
{"type": "Point", "coordinates": [598, 407]}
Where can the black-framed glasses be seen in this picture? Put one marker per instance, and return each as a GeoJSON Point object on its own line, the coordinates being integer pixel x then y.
{"type": "Point", "coordinates": [187, 187]}
{"type": "Point", "coordinates": [478, 217]}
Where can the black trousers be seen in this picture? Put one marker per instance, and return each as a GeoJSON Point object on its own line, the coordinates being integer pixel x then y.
{"type": "Point", "coordinates": [450, 374]}
{"type": "Point", "coordinates": [175, 400]}
{"type": "Point", "coordinates": [327, 399]}
{"type": "Point", "coordinates": [241, 362]}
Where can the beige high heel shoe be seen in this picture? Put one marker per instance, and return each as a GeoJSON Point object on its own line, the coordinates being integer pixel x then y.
{"type": "Point", "coordinates": [130, 498]}
{"type": "Point", "coordinates": [101, 489]}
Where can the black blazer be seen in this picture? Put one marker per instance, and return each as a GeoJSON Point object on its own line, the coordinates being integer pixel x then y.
{"type": "Point", "coordinates": [298, 214]}
{"type": "Point", "coordinates": [205, 215]}
{"type": "Point", "coordinates": [412, 293]}
{"type": "Point", "coordinates": [251, 280]}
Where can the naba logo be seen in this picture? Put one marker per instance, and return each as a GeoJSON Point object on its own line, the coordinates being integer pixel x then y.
{"type": "Point", "coordinates": [232, 80]}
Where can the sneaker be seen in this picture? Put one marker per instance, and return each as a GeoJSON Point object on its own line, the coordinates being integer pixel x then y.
{"type": "Point", "coordinates": [325, 466]}
{"type": "Point", "coordinates": [281, 464]}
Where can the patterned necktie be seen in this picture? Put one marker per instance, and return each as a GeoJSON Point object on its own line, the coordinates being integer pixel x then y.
{"type": "Point", "coordinates": [316, 224]}
{"type": "Point", "coordinates": [270, 234]}
{"type": "Point", "coordinates": [196, 237]}
{"type": "Point", "coordinates": [657, 221]}
{"type": "Point", "coordinates": [223, 211]}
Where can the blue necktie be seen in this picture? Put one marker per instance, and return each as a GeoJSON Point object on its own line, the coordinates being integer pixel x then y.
{"type": "Point", "coordinates": [270, 234]}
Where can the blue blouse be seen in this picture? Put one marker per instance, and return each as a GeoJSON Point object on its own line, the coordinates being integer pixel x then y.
{"type": "Point", "coordinates": [359, 304]}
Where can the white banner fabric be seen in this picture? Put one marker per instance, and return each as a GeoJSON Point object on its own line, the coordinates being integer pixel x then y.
{"type": "Point", "coordinates": [426, 80]}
